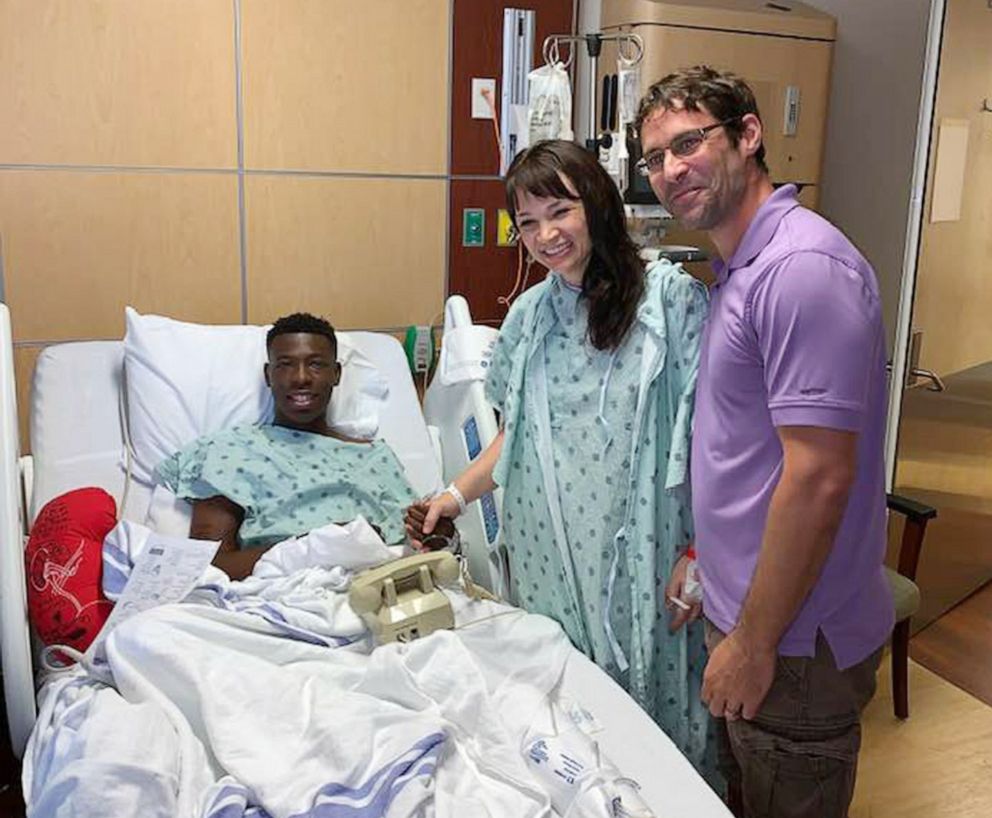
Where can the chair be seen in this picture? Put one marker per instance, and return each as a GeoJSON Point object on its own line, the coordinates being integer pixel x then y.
{"type": "Point", "coordinates": [905, 592]}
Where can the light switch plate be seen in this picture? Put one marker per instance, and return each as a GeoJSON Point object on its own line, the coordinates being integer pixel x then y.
{"type": "Point", "coordinates": [473, 227]}
{"type": "Point", "coordinates": [480, 108]}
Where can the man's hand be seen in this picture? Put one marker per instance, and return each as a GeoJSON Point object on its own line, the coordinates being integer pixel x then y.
{"type": "Point", "coordinates": [429, 524]}
{"type": "Point", "coordinates": [675, 590]}
{"type": "Point", "coordinates": [803, 517]}
{"type": "Point", "coordinates": [737, 678]}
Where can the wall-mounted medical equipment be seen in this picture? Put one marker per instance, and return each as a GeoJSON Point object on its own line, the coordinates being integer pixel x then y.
{"type": "Point", "coordinates": [518, 48]}
{"type": "Point", "coordinates": [400, 601]}
{"type": "Point", "coordinates": [418, 344]}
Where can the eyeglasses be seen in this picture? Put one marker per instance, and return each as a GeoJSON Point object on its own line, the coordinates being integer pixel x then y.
{"type": "Point", "coordinates": [683, 145]}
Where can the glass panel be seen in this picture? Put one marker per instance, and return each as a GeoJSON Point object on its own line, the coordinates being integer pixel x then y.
{"type": "Point", "coordinates": [945, 438]}
{"type": "Point", "coordinates": [945, 460]}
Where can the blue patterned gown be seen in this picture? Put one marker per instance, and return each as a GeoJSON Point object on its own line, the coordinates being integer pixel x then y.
{"type": "Point", "coordinates": [596, 499]}
{"type": "Point", "coordinates": [290, 482]}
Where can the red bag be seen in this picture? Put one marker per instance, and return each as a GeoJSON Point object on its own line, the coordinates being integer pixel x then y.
{"type": "Point", "coordinates": [64, 563]}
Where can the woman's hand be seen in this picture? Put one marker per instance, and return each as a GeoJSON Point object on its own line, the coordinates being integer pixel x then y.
{"type": "Point", "coordinates": [682, 612]}
{"type": "Point", "coordinates": [426, 517]}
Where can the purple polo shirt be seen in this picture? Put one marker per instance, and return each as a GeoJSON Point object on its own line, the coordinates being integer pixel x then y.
{"type": "Point", "coordinates": [794, 338]}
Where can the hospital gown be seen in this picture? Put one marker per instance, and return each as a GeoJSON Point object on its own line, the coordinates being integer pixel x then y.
{"type": "Point", "coordinates": [290, 482]}
{"type": "Point", "coordinates": [596, 448]}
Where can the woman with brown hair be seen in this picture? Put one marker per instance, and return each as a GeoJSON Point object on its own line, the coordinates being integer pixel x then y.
{"type": "Point", "coordinates": [593, 374]}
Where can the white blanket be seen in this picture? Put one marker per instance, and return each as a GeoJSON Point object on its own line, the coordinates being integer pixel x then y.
{"type": "Point", "coordinates": [265, 698]}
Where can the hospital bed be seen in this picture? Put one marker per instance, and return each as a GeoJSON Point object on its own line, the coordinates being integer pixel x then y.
{"type": "Point", "coordinates": [77, 427]}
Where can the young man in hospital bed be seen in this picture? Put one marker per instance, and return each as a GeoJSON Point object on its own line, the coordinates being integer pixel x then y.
{"type": "Point", "coordinates": [265, 696]}
{"type": "Point", "coordinates": [256, 485]}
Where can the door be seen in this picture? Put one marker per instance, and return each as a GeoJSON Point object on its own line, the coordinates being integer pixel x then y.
{"type": "Point", "coordinates": [942, 454]}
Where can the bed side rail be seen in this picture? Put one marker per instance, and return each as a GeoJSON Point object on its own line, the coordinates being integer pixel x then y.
{"type": "Point", "coordinates": [15, 643]}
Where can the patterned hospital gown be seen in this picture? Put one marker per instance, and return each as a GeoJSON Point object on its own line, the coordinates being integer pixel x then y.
{"type": "Point", "coordinates": [621, 481]}
{"type": "Point", "coordinates": [290, 482]}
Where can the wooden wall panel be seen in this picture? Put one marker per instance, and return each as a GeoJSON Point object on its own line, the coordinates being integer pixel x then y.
{"type": "Point", "coordinates": [24, 361]}
{"type": "Point", "coordinates": [341, 95]}
{"type": "Point", "coordinates": [478, 52]}
{"type": "Point", "coordinates": [117, 82]}
{"type": "Point", "coordinates": [366, 253]}
{"type": "Point", "coordinates": [346, 86]}
{"type": "Point", "coordinates": [80, 246]}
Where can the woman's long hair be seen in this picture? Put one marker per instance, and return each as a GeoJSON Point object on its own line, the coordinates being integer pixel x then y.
{"type": "Point", "coordinates": [613, 282]}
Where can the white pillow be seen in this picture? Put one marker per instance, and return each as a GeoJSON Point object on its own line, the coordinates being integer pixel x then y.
{"type": "Point", "coordinates": [183, 381]}
{"type": "Point", "coordinates": [359, 396]}
{"type": "Point", "coordinates": [168, 514]}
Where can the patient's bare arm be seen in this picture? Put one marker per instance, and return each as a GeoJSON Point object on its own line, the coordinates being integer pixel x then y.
{"type": "Point", "coordinates": [217, 518]}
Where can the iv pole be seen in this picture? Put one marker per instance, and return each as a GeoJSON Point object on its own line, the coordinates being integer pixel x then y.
{"type": "Point", "coordinates": [594, 47]}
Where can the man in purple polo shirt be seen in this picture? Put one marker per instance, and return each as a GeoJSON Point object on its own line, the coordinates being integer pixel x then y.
{"type": "Point", "coordinates": [787, 460]}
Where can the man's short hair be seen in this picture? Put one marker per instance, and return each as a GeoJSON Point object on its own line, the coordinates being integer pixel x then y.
{"type": "Point", "coordinates": [721, 93]}
{"type": "Point", "coordinates": [302, 322]}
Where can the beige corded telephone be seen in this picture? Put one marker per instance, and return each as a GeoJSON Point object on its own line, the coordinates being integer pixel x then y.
{"type": "Point", "coordinates": [400, 600]}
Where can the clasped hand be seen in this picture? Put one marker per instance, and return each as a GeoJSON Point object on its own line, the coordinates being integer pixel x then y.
{"type": "Point", "coordinates": [430, 523]}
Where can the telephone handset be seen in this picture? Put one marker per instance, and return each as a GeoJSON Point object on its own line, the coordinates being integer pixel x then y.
{"type": "Point", "coordinates": [400, 600]}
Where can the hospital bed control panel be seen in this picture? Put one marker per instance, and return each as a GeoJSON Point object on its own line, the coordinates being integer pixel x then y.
{"type": "Point", "coordinates": [490, 519]}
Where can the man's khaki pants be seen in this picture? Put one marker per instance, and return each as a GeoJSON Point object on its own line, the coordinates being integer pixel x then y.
{"type": "Point", "coordinates": [798, 757]}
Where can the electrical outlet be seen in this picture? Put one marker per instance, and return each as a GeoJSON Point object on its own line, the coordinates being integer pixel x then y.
{"type": "Point", "coordinates": [422, 349]}
{"type": "Point", "coordinates": [473, 227]}
{"type": "Point", "coordinates": [419, 347]}
{"type": "Point", "coordinates": [481, 108]}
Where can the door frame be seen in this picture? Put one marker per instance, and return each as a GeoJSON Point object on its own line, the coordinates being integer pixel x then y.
{"type": "Point", "coordinates": [914, 229]}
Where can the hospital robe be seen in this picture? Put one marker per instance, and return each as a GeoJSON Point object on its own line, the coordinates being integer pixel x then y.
{"type": "Point", "coordinates": [290, 482]}
{"type": "Point", "coordinates": [596, 505]}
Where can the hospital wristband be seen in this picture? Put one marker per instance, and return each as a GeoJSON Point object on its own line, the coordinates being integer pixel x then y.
{"type": "Point", "coordinates": [452, 489]}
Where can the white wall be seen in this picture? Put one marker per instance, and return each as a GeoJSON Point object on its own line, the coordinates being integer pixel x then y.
{"type": "Point", "coordinates": [871, 129]}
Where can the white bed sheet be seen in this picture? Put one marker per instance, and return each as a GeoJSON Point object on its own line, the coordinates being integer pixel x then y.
{"type": "Point", "coordinates": [181, 660]}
